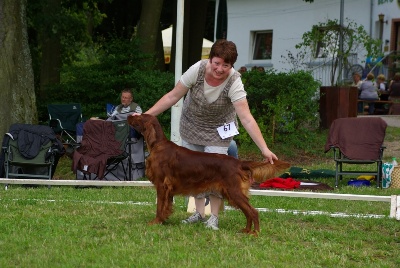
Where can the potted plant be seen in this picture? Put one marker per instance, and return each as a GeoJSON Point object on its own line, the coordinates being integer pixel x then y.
{"type": "Point", "coordinates": [331, 44]}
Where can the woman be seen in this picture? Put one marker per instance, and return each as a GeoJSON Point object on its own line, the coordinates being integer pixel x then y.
{"type": "Point", "coordinates": [356, 80]}
{"type": "Point", "coordinates": [369, 92]}
{"type": "Point", "coordinates": [215, 96]}
{"type": "Point", "coordinates": [381, 83]}
{"type": "Point", "coordinates": [394, 88]}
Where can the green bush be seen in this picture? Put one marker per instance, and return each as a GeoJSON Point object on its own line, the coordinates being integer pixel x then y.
{"type": "Point", "coordinates": [285, 105]}
{"type": "Point", "coordinates": [100, 75]}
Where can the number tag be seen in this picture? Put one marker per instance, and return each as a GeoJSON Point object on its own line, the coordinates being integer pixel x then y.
{"type": "Point", "coordinates": [227, 130]}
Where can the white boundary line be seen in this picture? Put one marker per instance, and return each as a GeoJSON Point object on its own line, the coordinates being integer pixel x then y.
{"type": "Point", "coordinates": [227, 208]}
{"type": "Point", "coordinates": [393, 200]}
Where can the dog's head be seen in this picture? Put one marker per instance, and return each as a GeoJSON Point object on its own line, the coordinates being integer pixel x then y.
{"type": "Point", "coordinates": [139, 122]}
{"type": "Point", "coordinates": [149, 127]}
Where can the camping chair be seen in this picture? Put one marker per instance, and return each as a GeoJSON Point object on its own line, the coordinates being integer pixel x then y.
{"type": "Point", "coordinates": [103, 150]}
{"type": "Point", "coordinates": [30, 151]}
{"type": "Point", "coordinates": [63, 119]}
{"type": "Point", "coordinates": [357, 141]}
{"type": "Point", "coordinates": [109, 109]}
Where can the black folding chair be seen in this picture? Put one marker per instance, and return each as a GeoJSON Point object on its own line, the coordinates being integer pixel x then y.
{"type": "Point", "coordinates": [103, 150]}
{"type": "Point", "coordinates": [63, 120]}
{"type": "Point", "coordinates": [30, 151]}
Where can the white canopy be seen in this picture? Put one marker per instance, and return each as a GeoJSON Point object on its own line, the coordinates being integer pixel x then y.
{"type": "Point", "coordinates": [167, 42]}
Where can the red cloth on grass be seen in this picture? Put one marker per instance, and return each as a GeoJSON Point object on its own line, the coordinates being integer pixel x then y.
{"type": "Point", "coordinates": [287, 183]}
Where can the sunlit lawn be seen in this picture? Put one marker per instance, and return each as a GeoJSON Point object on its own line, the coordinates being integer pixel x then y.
{"type": "Point", "coordinates": [64, 226]}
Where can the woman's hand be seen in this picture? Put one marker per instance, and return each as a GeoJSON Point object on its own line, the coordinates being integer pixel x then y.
{"type": "Point", "coordinates": [269, 156]}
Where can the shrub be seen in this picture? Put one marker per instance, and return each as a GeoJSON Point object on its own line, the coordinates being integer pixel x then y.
{"type": "Point", "coordinates": [284, 104]}
{"type": "Point", "coordinates": [99, 77]}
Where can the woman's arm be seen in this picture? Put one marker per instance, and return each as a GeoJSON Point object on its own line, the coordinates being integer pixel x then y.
{"type": "Point", "coordinates": [168, 99]}
{"type": "Point", "coordinates": [250, 124]}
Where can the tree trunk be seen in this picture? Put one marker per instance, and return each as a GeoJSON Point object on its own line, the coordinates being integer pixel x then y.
{"type": "Point", "coordinates": [51, 50]}
{"type": "Point", "coordinates": [149, 30]}
{"type": "Point", "coordinates": [193, 30]}
{"type": "Point", "coordinates": [17, 94]}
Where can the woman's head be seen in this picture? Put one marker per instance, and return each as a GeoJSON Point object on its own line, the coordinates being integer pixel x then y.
{"type": "Point", "coordinates": [396, 77]}
{"type": "Point", "coordinates": [381, 78]}
{"type": "Point", "coordinates": [356, 76]}
{"type": "Point", "coordinates": [225, 50]}
{"type": "Point", "coordinates": [370, 76]}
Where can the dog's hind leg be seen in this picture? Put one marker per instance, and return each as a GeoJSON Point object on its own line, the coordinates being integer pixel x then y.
{"type": "Point", "coordinates": [241, 201]}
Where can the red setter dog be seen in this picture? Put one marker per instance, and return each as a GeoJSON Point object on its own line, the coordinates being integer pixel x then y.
{"type": "Point", "coordinates": [175, 170]}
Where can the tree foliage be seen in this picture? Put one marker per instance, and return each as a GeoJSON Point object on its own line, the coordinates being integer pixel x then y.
{"type": "Point", "coordinates": [326, 36]}
{"type": "Point", "coordinates": [99, 75]}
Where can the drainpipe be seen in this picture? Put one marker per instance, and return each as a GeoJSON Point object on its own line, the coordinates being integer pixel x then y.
{"type": "Point", "coordinates": [341, 41]}
{"type": "Point", "coordinates": [370, 18]}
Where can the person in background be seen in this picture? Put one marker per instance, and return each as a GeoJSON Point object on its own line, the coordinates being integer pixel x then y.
{"type": "Point", "coordinates": [356, 80]}
{"type": "Point", "coordinates": [233, 149]}
{"type": "Point", "coordinates": [394, 88]}
{"type": "Point", "coordinates": [369, 92]}
{"type": "Point", "coordinates": [382, 91]}
{"type": "Point", "coordinates": [381, 83]}
{"type": "Point", "coordinates": [127, 105]}
{"type": "Point", "coordinates": [215, 96]}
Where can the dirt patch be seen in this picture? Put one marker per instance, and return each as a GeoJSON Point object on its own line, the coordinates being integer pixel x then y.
{"type": "Point", "coordinates": [392, 149]}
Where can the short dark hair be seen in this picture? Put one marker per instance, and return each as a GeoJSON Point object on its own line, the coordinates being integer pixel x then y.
{"type": "Point", "coordinates": [224, 49]}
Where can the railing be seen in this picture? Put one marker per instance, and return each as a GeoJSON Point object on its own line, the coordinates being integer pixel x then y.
{"type": "Point", "coordinates": [388, 66]}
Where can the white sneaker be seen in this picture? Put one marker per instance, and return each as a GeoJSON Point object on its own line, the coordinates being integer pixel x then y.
{"type": "Point", "coordinates": [212, 222]}
{"type": "Point", "coordinates": [196, 217]}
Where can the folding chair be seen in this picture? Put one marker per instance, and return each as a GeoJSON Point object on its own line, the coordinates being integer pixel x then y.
{"type": "Point", "coordinates": [109, 109]}
{"type": "Point", "coordinates": [136, 149]}
{"type": "Point", "coordinates": [63, 119]}
{"type": "Point", "coordinates": [103, 150]}
{"type": "Point", "coordinates": [30, 151]}
{"type": "Point", "coordinates": [357, 141]}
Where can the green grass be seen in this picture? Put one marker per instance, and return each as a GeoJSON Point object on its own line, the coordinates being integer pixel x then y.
{"type": "Point", "coordinates": [107, 227]}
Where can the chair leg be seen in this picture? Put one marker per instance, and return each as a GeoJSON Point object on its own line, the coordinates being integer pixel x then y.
{"type": "Point", "coordinates": [336, 176]}
{"type": "Point", "coordinates": [379, 176]}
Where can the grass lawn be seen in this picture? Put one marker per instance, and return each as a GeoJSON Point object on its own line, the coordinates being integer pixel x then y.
{"type": "Point", "coordinates": [107, 227]}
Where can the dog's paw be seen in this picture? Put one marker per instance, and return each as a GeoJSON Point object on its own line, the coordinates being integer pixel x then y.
{"type": "Point", "coordinates": [250, 232]}
{"type": "Point", "coordinates": [155, 221]}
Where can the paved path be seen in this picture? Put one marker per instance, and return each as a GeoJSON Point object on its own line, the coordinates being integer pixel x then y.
{"type": "Point", "coordinates": [391, 120]}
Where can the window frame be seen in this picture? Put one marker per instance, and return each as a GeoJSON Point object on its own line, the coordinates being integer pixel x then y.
{"type": "Point", "coordinates": [258, 53]}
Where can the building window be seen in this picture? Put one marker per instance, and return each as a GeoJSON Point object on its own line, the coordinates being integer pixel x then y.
{"type": "Point", "coordinates": [263, 46]}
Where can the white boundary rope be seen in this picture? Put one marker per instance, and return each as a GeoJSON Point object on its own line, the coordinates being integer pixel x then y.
{"type": "Point", "coordinates": [394, 200]}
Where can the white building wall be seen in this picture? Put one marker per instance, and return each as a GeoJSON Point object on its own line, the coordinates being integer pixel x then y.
{"type": "Point", "coordinates": [391, 11]}
{"type": "Point", "coordinates": [288, 19]}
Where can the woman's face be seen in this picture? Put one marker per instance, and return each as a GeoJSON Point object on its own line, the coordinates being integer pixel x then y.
{"type": "Point", "coordinates": [219, 68]}
{"type": "Point", "coordinates": [356, 78]}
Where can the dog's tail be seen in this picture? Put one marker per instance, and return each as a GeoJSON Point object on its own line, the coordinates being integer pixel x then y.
{"type": "Point", "coordinates": [261, 171]}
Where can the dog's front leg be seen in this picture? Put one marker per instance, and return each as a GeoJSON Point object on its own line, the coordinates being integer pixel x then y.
{"type": "Point", "coordinates": [164, 202]}
{"type": "Point", "coordinates": [161, 202]}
